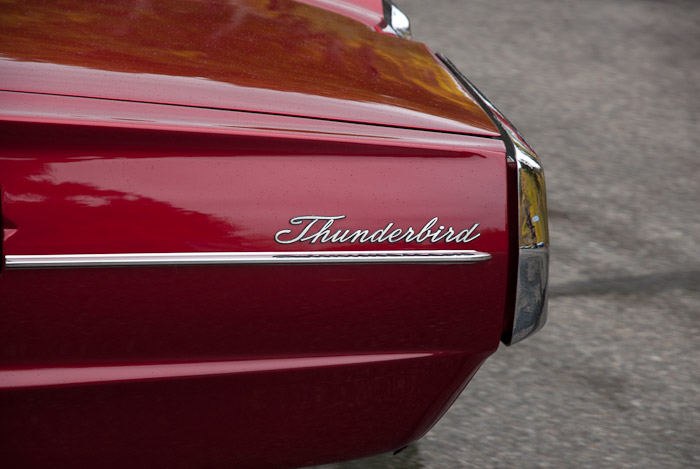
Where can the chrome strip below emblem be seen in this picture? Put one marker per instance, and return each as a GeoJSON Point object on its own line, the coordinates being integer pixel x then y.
{"type": "Point", "coordinates": [15, 262]}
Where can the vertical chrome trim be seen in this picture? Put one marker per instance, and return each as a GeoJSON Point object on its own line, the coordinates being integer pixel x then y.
{"type": "Point", "coordinates": [396, 20]}
{"type": "Point", "coordinates": [531, 294]}
{"type": "Point", "coordinates": [533, 248]}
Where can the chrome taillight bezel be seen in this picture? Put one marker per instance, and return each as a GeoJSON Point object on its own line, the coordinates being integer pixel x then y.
{"type": "Point", "coordinates": [532, 277]}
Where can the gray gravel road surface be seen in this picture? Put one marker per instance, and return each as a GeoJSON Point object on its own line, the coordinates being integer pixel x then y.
{"type": "Point", "coordinates": [608, 93]}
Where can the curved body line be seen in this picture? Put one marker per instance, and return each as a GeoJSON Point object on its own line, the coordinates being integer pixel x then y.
{"type": "Point", "coordinates": [33, 377]}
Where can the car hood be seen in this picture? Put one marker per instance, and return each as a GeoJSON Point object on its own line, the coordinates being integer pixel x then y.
{"type": "Point", "coordinates": [279, 57]}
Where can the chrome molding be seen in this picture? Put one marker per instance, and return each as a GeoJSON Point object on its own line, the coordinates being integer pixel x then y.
{"type": "Point", "coordinates": [396, 20]}
{"type": "Point", "coordinates": [15, 262]}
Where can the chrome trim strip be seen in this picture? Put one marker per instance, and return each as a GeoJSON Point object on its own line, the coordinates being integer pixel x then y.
{"type": "Point", "coordinates": [15, 262]}
{"type": "Point", "coordinates": [396, 20]}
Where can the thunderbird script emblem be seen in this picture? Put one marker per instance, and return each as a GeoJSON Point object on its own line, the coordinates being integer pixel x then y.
{"type": "Point", "coordinates": [318, 229]}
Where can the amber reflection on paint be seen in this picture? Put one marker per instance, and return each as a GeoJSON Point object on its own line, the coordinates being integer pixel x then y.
{"type": "Point", "coordinates": [270, 44]}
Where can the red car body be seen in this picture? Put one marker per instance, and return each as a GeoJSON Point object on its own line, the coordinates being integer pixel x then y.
{"type": "Point", "coordinates": [160, 302]}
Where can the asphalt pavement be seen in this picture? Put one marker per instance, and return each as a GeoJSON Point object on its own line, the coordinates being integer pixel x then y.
{"type": "Point", "coordinates": [608, 94]}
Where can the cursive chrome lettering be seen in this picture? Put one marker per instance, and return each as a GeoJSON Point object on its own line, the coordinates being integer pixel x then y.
{"type": "Point", "coordinates": [301, 237]}
{"type": "Point", "coordinates": [317, 228]}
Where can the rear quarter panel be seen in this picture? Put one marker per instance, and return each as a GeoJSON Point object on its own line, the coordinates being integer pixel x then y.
{"type": "Point", "coordinates": [233, 366]}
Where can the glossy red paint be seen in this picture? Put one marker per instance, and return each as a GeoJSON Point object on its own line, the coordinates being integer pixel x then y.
{"type": "Point", "coordinates": [232, 366]}
{"type": "Point", "coordinates": [75, 183]}
{"type": "Point", "coordinates": [218, 422]}
{"type": "Point", "coordinates": [204, 193]}
{"type": "Point", "coordinates": [281, 57]}
{"type": "Point", "coordinates": [368, 12]}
